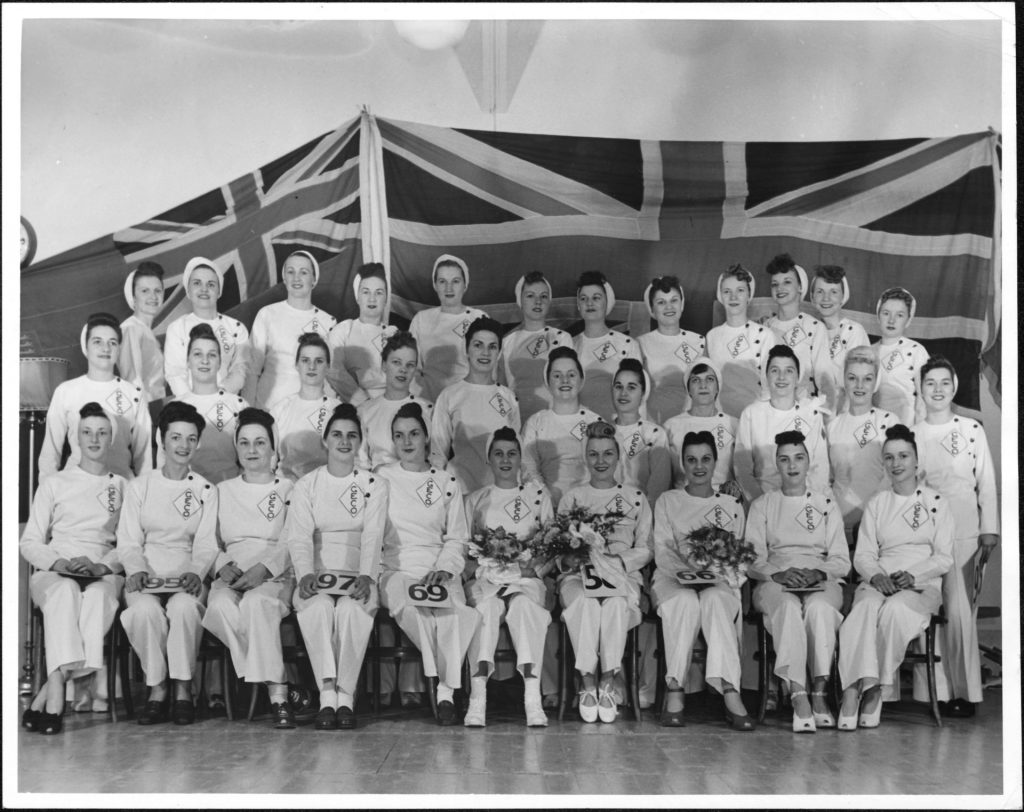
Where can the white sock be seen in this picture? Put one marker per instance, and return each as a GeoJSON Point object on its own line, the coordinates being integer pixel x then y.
{"type": "Point", "coordinates": [531, 688]}
{"type": "Point", "coordinates": [278, 692]}
{"type": "Point", "coordinates": [345, 700]}
{"type": "Point", "coordinates": [444, 692]}
{"type": "Point", "coordinates": [477, 688]}
{"type": "Point", "coordinates": [328, 698]}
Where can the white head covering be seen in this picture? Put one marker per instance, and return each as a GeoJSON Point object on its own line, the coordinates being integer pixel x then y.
{"type": "Point", "coordinates": [448, 259]}
{"type": "Point", "coordinates": [129, 289]}
{"type": "Point", "coordinates": [886, 295]}
{"type": "Point", "coordinates": [703, 359]}
{"type": "Point", "coordinates": [82, 340]}
{"type": "Point", "coordinates": [609, 296]}
{"type": "Point", "coordinates": [846, 287]}
{"type": "Point", "coordinates": [312, 261]}
{"type": "Point", "coordinates": [647, 297]}
{"type": "Point", "coordinates": [718, 287]}
{"type": "Point", "coordinates": [522, 283]}
{"type": "Point", "coordinates": [802, 276]}
{"type": "Point", "coordinates": [920, 381]}
{"type": "Point", "coordinates": [200, 262]}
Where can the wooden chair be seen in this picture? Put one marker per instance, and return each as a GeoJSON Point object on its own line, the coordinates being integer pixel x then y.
{"type": "Point", "coordinates": [929, 659]}
{"type": "Point", "coordinates": [402, 651]}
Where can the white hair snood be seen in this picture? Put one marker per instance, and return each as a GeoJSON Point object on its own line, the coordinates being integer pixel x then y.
{"type": "Point", "coordinates": [718, 287]}
{"type": "Point", "coordinates": [609, 296]}
{"type": "Point", "coordinates": [846, 287]}
{"type": "Point", "coordinates": [448, 259]}
{"type": "Point", "coordinates": [312, 261]}
{"type": "Point", "coordinates": [647, 298]}
{"type": "Point", "coordinates": [884, 298]}
{"type": "Point", "coordinates": [201, 262]}
{"type": "Point", "coordinates": [522, 284]}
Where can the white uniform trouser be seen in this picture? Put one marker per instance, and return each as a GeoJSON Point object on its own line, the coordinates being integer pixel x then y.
{"type": "Point", "coordinates": [336, 630]}
{"type": "Point", "coordinates": [598, 626]}
{"type": "Point", "coordinates": [441, 635]}
{"type": "Point", "coordinates": [249, 624]}
{"type": "Point", "coordinates": [76, 618]}
{"type": "Point", "coordinates": [527, 623]}
{"type": "Point", "coordinates": [803, 627]}
{"type": "Point", "coordinates": [165, 631]}
{"type": "Point", "coordinates": [874, 637]}
{"type": "Point", "coordinates": [685, 612]}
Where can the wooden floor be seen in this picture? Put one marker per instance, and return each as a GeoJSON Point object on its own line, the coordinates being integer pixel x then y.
{"type": "Point", "coordinates": [410, 754]}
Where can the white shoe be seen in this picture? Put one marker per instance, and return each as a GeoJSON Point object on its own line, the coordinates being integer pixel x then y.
{"type": "Point", "coordinates": [476, 715]}
{"type": "Point", "coordinates": [822, 719]}
{"type": "Point", "coordinates": [535, 716]}
{"type": "Point", "coordinates": [872, 718]}
{"type": "Point", "coordinates": [607, 709]}
{"type": "Point", "coordinates": [802, 724]}
{"type": "Point", "coordinates": [588, 705]}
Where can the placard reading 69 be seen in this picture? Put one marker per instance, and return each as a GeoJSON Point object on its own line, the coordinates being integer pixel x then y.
{"type": "Point", "coordinates": [155, 585]}
{"type": "Point", "coordinates": [336, 582]}
{"type": "Point", "coordinates": [434, 596]}
{"type": "Point", "coordinates": [698, 577]}
{"type": "Point", "coordinates": [594, 586]}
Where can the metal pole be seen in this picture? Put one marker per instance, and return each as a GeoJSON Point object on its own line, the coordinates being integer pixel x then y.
{"type": "Point", "coordinates": [28, 670]}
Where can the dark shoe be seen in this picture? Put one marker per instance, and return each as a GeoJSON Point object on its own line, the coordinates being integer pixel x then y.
{"type": "Point", "coordinates": [30, 719]}
{"type": "Point", "coordinates": [673, 718]}
{"type": "Point", "coordinates": [327, 719]}
{"type": "Point", "coordinates": [346, 718]}
{"type": "Point", "coordinates": [50, 723]}
{"type": "Point", "coordinates": [283, 718]}
{"type": "Point", "coordinates": [739, 722]}
{"type": "Point", "coordinates": [183, 712]}
{"type": "Point", "coordinates": [300, 698]}
{"type": "Point", "coordinates": [446, 713]}
{"type": "Point", "coordinates": [215, 707]}
{"type": "Point", "coordinates": [153, 713]}
{"type": "Point", "coordinates": [957, 709]}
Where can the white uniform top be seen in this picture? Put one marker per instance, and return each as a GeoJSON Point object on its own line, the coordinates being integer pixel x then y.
{"type": "Point", "coordinates": [845, 337]}
{"type": "Point", "coordinates": [519, 510]}
{"type": "Point", "coordinates": [808, 338]}
{"type": "Point", "coordinates": [275, 340]}
{"type": "Point", "coordinates": [910, 533]}
{"type": "Point", "coordinates": [168, 526]}
{"type": "Point", "coordinates": [644, 458]}
{"type": "Point", "coordinates": [441, 339]}
{"type": "Point", "coordinates": [668, 360]}
{"type": "Point", "coordinates": [337, 523]}
{"type": "Point", "coordinates": [954, 459]}
{"type": "Point", "coordinates": [141, 360]}
{"type": "Point", "coordinates": [804, 531]}
{"type": "Point", "coordinates": [742, 354]}
{"type": "Point", "coordinates": [722, 428]}
{"type": "Point", "coordinates": [215, 458]}
{"type": "Point", "coordinates": [74, 513]}
{"type": "Point", "coordinates": [553, 449]}
{"type": "Point", "coordinates": [524, 355]}
{"type": "Point", "coordinates": [126, 406]}
{"type": "Point", "coordinates": [376, 414]}
{"type": "Point", "coordinates": [426, 527]}
{"type": "Point", "coordinates": [357, 369]}
{"type": "Point", "coordinates": [300, 428]}
{"type": "Point", "coordinates": [250, 518]}
{"type": "Point", "coordinates": [754, 455]}
{"type": "Point", "coordinates": [465, 416]}
{"type": "Point", "coordinates": [898, 367]}
{"type": "Point", "coordinates": [631, 537]}
{"type": "Point", "coordinates": [234, 353]}
{"type": "Point", "coordinates": [855, 455]}
{"type": "Point", "coordinates": [677, 514]}
{"type": "Point", "coordinates": [600, 359]}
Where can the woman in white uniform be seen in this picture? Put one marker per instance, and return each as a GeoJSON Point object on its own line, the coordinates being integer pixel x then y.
{"type": "Point", "coordinates": [440, 331]}
{"type": "Point", "coordinates": [685, 611]}
{"type": "Point", "coordinates": [669, 351]}
{"type": "Point", "coordinates": [904, 547]}
{"type": "Point", "coordinates": [830, 291]}
{"type": "Point", "coordinates": [69, 539]}
{"type": "Point", "coordinates": [168, 528]}
{"type": "Point", "coordinates": [525, 349]}
{"type": "Point", "coordinates": [643, 444]}
{"type": "Point", "coordinates": [336, 523]}
{"type": "Point", "coordinates": [802, 559]}
{"type": "Point", "coordinates": [598, 625]}
{"type": "Point", "coordinates": [900, 358]}
{"type": "Point", "coordinates": [520, 600]}
{"type": "Point", "coordinates": [124, 402]}
{"type": "Point", "coordinates": [425, 546]}
{"type": "Point", "coordinates": [142, 361]}
{"type": "Point", "coordinates": [956, 462]}
{"type": "Point", "coordinates": [253, 588]}
{"type": "Point", "coordinates": [598, 347]}
{"type": "Point", "coordinates": [300, 417]}
{"type": "Point", "coordinates": [468, 412]}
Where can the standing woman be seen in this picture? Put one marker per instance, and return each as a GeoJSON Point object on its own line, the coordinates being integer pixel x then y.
{"type": "Point", "coordinates": [70, 532]}
{"type": "Point", "coordinates": [357, 372]}
{"type": "Point", "coordinates": [685, 611]}
{"type": "Point", "coordinates": [277, 328]}
{"type": "Point", "coordinates": [643, 445]}
{"type": "Point", "coordinates": [425, 544]}
{"type": "Point", "coordinates": [598, 626]}
{"type": "Point", "coordinates": [553, 438]}
{"type": "Point", "coordinates": [521, 601]}
{"type": "Point", "coordinates": [669, 351]}
{"type": "Point", "coordinates": [904, 547]}
{"type": "Point", "coordinates": [336, 522]}
{"type": "Point", "coordinates": [900, 358]}
{"type": "Point", "coordinates": [830, 291]}
{"type": "Point", "coordinates": [468, 412]}
{"type": "Point", "coordinates": [300, 418]}
{"type": "Point", "coordinates": [141, 361]}
{"type": "Point", "coordinates": [440, 331]}
{"type": "Point", "coordinates": [253, 588]}
{"type": "Point", "coordinates": [123, 402]}
{"type": "Point", "coordinates": [802, 559]}
{"type": "Point", "coordinates": [956, 462]}
{"type": "Point", "coordinates": [168, 528]}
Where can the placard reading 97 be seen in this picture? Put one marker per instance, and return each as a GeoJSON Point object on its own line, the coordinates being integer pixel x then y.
{"type": "Point", "coordinates": [336, 582]}
{"type": "Point", "coordinates": [155, 585]}
{"type": "Point", "coordinates": [434, 596]}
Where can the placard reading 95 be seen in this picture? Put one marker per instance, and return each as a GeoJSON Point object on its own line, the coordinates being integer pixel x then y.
{"type": "Point", "coordinates": [156, 585]}
{"type": "Point", "coordinates": [435, 596]}
{"type": "Point", "coordinates": [698, 577]}
{"type": "Point", "coordinates": [335, 582]}
{"type": "Point", "coordinates": [594, 586]}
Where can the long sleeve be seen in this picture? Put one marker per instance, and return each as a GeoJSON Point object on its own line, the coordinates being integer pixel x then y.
{"type": "Point", "coordinates": [142, 431]}
{"type": "Point", "coordinates": [666, 558]}
{"type": "Point", "coordinates": [866, 556]}
{"type": "Point", "coordinates": [33, 544]}
{"type": "Point", "coordinates": [452, 557]}
{"type": "Point", "coordinates": [204, 542]}
{"type": "Point", "coordinates": [984, 474]}
{"type": "Point", "coordinates": [743, 457]}
{"type": "Point", "coordinates": [531, 454]}
{"type": "Point", "coordinates": [837, 553]}
{"type": "Point", "coordinates": [129, 528]}
{"type": "Point", "coordinates": [130, 361]}
{"type": "Point", "coordinates": [259, 339]}
{"type": "Point", "coordinates": [299, 528]}
{"type": "Point", "coordinates": [175, 358]}
{"type": "Point", "coordinates": [757, 535]}
{"type": "Point", "coordinates": [941, 560]}
{"type": "Point", "coordinates": [375, 517]}
{"type": "Point", "coordinates": [818, 472]}
{"type": "Point", "coordinates": [340, 378]}
{"type": "Point", "coordinates": [660, 478]}
{"type": "Point", "coordinates": [240, 368]}
{"type": "Point", "coordinates": [441, 432]}
{"type": "Point", "coordinates": [637, 556]}
{"type": "Point", "coordinates": [56, 433]}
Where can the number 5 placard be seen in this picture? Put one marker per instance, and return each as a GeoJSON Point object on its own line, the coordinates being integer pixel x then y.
{"type": "Point", "coordinates": [435, 596]}
{"type": "Point", "coordinates": [594, 586]}
{"type": "Point", "coordinates": [335, 582]}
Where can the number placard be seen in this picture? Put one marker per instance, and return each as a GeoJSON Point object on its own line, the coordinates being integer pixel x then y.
{"type": "Point", "coordinates": [800, 589]}
{"type": "Point", "coordinates": [81, 576]}
{"type": "Point", "coordinates": [698, 577]}
{"type": "Point", "coordinates": [594, 586]}
{"type": "Point", "coordinates": [336, 582]}
{"type": "Point", "coordinates": [435, 596]}
{"type": "Point", "coordinates": [155, 585]}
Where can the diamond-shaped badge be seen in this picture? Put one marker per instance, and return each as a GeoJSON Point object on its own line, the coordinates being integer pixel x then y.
{"type": "Point", "coordinates": [429, 493]}
{"type": "Point", "coordinates": [119, 402]}
{"type": "Point", "coordinates": [225, 338]}
{"type": "Point", "coordinates": [834, 346]}
{"type": "Point", "coordinates": [604, 351]}
{"type": "Point", "coordinates": [809, 518]}
{"type": "Point", "coordinates": [271, 506]}
{"type": "Point", "coordinates": [500, 404]}
{"type": "Point", "coordinates": [619, 504]}
{"type": "Point", "coordinates": [865, 433]}
{"type": "Point", "coordinates": [738, 345]}
{"type": "Point", "coordinates": [579, 430]}
{"type": "Point", "coordinates": [723, 437]}
{"type": "Point", "coordinates": [915, 515]}
{"type": "Point", "coordinates": [353, 499]}
{"type": "Point", "coordinates": [634, 444]}
{"type": "Point", "coordinates": [110, 499]}
{"type": "Point", "coordinates": [687, 353]}
{"type": "Point", "coordinates": [314, 326]}
{"type": "Point", "coordinates": [719, 517]}
{"type": "Point", "coordinates": [219, 415]}
{"type": "Point", "coordinates": [798, 423]}
{"type": "Point", "coordinates": [461, 328]}
{"type": "Point", "coordinates": [518, 510]}
{"type": "Point", "coordinates": [893, 360]}
{"type": "Point", "coordinates": [954, 443]}
{"type": "Point", "coordinates": [795, 335]}
{"type": "Point", "coordinates": [538, 346]}
{"type": "Point", "coordinates": [378, 342]}
{"type": "Point", "coordinates": [317, 418]}
{"type": "Point", "coordinates": [187, 504]}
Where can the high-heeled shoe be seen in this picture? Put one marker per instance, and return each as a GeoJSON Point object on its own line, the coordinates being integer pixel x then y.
{"type": "Point", "coordinates": [849, 723]}
{"type": "Point", "coordinates": [673, 718]}
{"type": "Point", "coordinates": [50, 723]}
{"type": "Point", "coordinates": [825, 719]}
{"type": "Point", "coordinates": [30, 719]}
{"type": "Point", "coordinates": [802, 724]}
{"type": "Point", "coordinates": [588, 705]}
{"type": "Point", "coordinates": [872, 718]}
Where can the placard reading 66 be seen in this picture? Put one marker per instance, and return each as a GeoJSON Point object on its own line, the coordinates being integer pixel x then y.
{"type": "Point", "coordinates": [697, 577]}
{"type": "Point", "coordinates": [336, 582]}
{"type": "Point", "coordinates": [434, 596]}
{"type": "Point", "coordinates": [155, 585]}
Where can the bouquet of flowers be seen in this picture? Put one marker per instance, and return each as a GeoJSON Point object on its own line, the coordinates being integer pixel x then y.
{"type": "Point", "coordinates": [577, 531]}
{"type": "Point", "coordinates": [499, 554]}
{"type": "Point", "coordinates": [719, 551]}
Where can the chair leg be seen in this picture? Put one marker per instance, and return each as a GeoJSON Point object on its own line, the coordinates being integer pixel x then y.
{"type": "Point", "coordinates": [126, 674]}
{"type": "Point", "coordinates": [432, 694]}
{"type": "Point", "coordinates": [660, 694]}
{"type": "Point", "coordinates": [254, 695]}
{"type": "Point", "coordinates": [763, 670]}
{"type": "Point", "coordinates": [227, 676]}
{"type": "Point", "coordinates": [634, 675]}
{"type": "Point", "coordinates": [565, 672]}
{"type": "Point", "coordinates": [929, 648]}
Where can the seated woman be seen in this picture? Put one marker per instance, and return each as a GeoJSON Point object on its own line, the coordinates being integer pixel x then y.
{"type": "Point", "coordinates": [598, 625]}
{"type": "Point", "coordinates": [643, 444]}
{"type": "Point", "coordinates": [300, 417]}
{"type": "Point", "coordinates": [253, 589]}
{"type": "Point", "coordinates": [686, 612]}
{"type": "Point", "coordinates": [904, 547]}
{"type": "Point", "coordinates": [168, 529]}
{"type": "Point", "coordinates": [69, 539]}
{"type": "Point", "coordinates": [520, 598]}
{"type": "Point", "coordinates": [336, 523]}
{"type": "Point", "coordinates": [801, 560]}
{"type": "Point", "coordinates": [425, 545]}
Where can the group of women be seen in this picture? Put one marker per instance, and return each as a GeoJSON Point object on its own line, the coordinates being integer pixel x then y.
{"type": "Point", "coordinates": [335, 470]}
